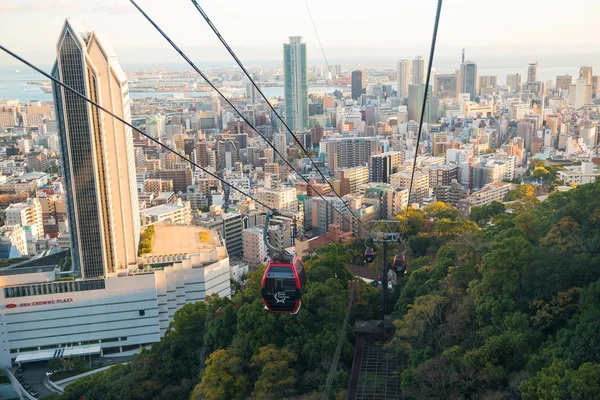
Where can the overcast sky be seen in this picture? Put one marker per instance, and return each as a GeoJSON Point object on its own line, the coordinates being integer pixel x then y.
{"type": "Point", "coordinates": [372, 30]}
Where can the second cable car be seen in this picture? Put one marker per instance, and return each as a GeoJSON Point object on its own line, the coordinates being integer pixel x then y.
{"type": "Point", "coordinates": [399, 264]}
{"type": "Point", "coordinates": [369, 256]}
{"type": "Point", "coordinates": [283, 281]}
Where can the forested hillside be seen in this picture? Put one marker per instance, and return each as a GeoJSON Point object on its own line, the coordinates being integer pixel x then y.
{"type": "Point", "coordinates": [503, 307]}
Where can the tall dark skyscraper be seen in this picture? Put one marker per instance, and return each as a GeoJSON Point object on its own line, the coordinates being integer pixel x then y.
{"type": "Point", "coordinates": [468, 77]}
{"type": "Point", "coordinates": [359, 83]}
{"type": "Point", "coordinates": [97, 155]}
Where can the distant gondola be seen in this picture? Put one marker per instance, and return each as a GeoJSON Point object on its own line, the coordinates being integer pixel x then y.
{"type": "Point", "coordinates": [399, 264]}
{"type": "Point", "coordinates": [369, 256]}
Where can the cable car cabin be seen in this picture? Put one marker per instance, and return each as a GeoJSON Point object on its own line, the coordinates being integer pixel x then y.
{"type": "Point", "coordinates": [399, 265]}
{"type": "Point", "coordinates": [283, 285]}
{"type": "Point", "coordinates": [369, 256]}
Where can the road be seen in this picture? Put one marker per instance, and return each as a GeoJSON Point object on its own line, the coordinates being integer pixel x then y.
{"type": "Point", "coordinates": [35, 372]}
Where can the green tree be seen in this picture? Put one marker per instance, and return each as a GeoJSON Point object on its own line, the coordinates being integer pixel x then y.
{"type": "Point", "coordinates": [276, 379]}
{"type": "Point", "coordinates": [54, 364]}
{"type": "Point", "coordinates": [224, 378]}
{"type": "Point", "coordinates": [558, 381]}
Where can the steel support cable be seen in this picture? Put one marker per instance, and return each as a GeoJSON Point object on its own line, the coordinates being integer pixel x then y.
{"type": "Point", "coordinates": [338, 350]}
{"type": "Point", "coordinates": [423, 107]}
{"type": "Point", "coordinates": [92, 102]}
{"type": "Point", "coordinates": [193, 65]}
{"type": "Point", "coordinates": [239, 63]}
{"type": "Point", "coordinates": [317, 33]}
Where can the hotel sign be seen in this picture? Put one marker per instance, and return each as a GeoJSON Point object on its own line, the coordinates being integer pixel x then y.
{"type": "Point", "coordinates": [41, 303]}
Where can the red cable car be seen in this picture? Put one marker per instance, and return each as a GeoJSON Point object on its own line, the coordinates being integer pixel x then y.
{"type": "Point", "coordinates": [399, 264]}
{"type": "Point", "coordinates": [369, 255]}
{"type": "Point", "coordinates": [282, 286]}
{"type": "Point", "coordinates": [283, 281]}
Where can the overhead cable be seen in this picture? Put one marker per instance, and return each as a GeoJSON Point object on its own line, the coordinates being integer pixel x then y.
{"type": "Point", "coordinates": [92, 102]}
{"type": "Point", "coordinates": [249, 76]}
{"type": "Point", "coordinates": [193, 65]}
{"type": "Point", "coordinates": [423, 107]}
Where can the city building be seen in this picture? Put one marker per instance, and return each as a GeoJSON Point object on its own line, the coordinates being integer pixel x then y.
{"type": "Point", "coordinates": [586, 73]}
{"type": "Point", "coordinates": [54, 214]}
{"type": "Point", "coordinates": [468, 76]}
{"type": "Point", "coordinates": [284, 199]}
{"type": "Point", "coordinates": [420, 186]}
{"type": "Point", "coordinates": [359, 83]}
{"type": "Point", "coordinates": [13, 242]}
{"type": "Point", "coordinates": [385, 164]}
{"type": "Point", "coordinates": [442, 175]}
{"type": "Point", "coordinates": [229, 226]}
{"type": "Point", "coordinates": [108, 317]}
{"type": "Point", "coordinates": [255, 251]}
{"type": "Point", "coordinates": [418, 71]}
{"type": "Point", "coordinates": [580, 94]}
{"type": "Point", "coordinates": [158, 185]}
{"type": "Point", "coordinates": [177, 214]}
{"type": "Point", "coordinates": [348, 152]}
{"type": "Point", "coordinates": [532, 71]}
{"type": "Point", "coordinates": [403, 78]}
{"type": "Point", "coordinates": [392, 199]}
{"type": "Point", "coordinates": [579, 175]}
{"type": "Point", "coordinates": [97, 156]}
{"type": "Point", "coordinates": [451, 194]}
{"type": "Point", "coordinates": [27, 213]}
{"type": "Point", "coordinates": [564, 82]}
{"type": "Point", "coordinates": [296, 84]}
{"type": "Point", "coordinates": [349, 179]}
{"type": "Point", "coordinates": [446, 85]}
{"type": "Point", "coordinates": [181, 178]}
{"type": "Point", "coordinates": [416, 94]}
{"type": "Point", "coordinates": [514, 82]}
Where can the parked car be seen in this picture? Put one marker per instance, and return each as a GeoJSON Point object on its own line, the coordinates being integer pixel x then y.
{"type": "Point", "coordinates": [49, 373]}
{"type": "Point", "coordinates": [20, 379]}
{"type": "Point", "coordinates": [34, 393]}
{"type": "Point", "coordinates": [19, 370]}
{"type": "Point", "coordinates": [97, 363]}
{"type": "Point", "coordinates": [27, 386]}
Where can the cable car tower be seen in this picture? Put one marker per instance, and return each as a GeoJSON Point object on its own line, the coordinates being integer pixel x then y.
{"type": "Point", "coordinates": [385, 238]}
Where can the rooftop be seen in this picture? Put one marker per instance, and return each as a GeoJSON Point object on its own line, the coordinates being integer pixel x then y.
{"type": "Point", "coordinates": [161, 210]}
{"type": "Point", "coordinates": [180, 239]}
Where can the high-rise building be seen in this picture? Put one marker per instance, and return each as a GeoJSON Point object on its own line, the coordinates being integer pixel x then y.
{"type": "Point", "coordinates": [348, 152]}
{"type": "Point", "coordinates": [280, 144]}
{"type": "Point", "coordinates": [586, 73]}
{"type": "Point", "coordinates": [385, 164]}
{"type": "Point", "coordinates": [442, 175]}
{"type": "Point", "coordinates": [564, 82]}
{"type": "Point", "coordinates": [27, 213]}
{"type": "Point", "coordinates": [420, 184]}
{"type": "Point", "coordinates": [359, 83]}
{"type": "Point", "coordinates": [403, 78]}
{"type": "Point", "coordinates": [418, 71]}
{"type": "Point", "coordinates": [97, 154]}
{"type": "Point", "coordinates": [488, 82]}
{"type": "Point", "coordinates": [468, 77]}
{"type": "Point", "coordinates": [513, 82]}
{"type": "Point", "coordinates": [349, 179]}
{"type": "Point", "coordinates": [580, 93]}
{"type": "Point", "coordinates": [416, 94]}
{"type": "Point", "coordinates": [296, 84]}
{"type": "Point", "coordinates": [532, 70]}
{"type": "Point", "coordinates": [446, 85]}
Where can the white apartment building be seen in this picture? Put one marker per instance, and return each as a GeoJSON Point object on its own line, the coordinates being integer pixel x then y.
{"type": "Point", "coordinates": [13, 242]}
{"type": "Point", "coordinates": [178, 214]}
{"type": "Point", "coordinates": [27, 213]}
{"type": "Point", "coordinates": [579, 175]}
{"type": "Point", "coordinates": [420, 187]}
{"type": "Point", "coordinates": [255, 251]}
{"type": "Point", "coordinates": [279, 199]}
